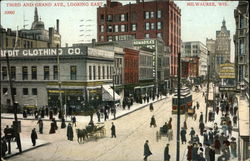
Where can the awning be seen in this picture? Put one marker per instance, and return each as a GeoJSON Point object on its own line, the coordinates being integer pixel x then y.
{"type": "Point", "coordinates": [107, 94]}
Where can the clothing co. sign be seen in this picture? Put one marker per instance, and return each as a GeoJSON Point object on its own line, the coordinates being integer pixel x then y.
{"type": "Point", "coordinates": [44, 52]}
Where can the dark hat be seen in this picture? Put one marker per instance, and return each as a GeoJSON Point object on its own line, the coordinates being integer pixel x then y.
{"type": "Point", "coordinates": [233, 138]}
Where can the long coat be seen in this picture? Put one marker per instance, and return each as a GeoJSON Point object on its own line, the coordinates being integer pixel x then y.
{"type": "Point", "coordinates": [33, 137]}
{"type": "Point", "coordinates": [70, 132]}
{"type": "Point", "coordinates": [212, 155]}
{"type": "Point", "coordinates": [147, 151]}
{"type": "Point", "coordinates": [183, 135]}
{"type": "Point", "coordinates": [113, 130]}
{"type": "Point", "coordinates": [52, 128]}
{"type": "Point", "coordinates": [166, 154]}
{"type": "Point", "coordinates": [189, 153]}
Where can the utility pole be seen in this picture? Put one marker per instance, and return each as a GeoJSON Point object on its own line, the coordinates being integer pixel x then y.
{"type": "Point", "coordinates": [208, 71]}
{"type": "Point", "coordinates": [114, 89]}
{"type": "Point", "coordinates": [178, 108]}
{"type": "Point", "coordinates": [16, 123]}
{"type": "Point", "coordinates": [59, 81]}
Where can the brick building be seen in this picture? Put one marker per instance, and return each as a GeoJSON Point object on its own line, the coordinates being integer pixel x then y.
{"type": "Point", "coordinates": [190, 67]}
{"type": "Point", "coordinates": [142, 20]}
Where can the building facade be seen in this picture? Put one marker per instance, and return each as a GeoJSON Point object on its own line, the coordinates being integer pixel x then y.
{"type": "Point", "coordinates": [210, 43]}
{"type": "Point", "coordinates": [36, 76]}
{"type": "Point", "coordinates": [196, 49]}
{"type": "Point", "coordinates": [36, 37]}
{"type": "Point", "coordinates": [190, 68]}
{"type": "Point", "coordinates": [222, 46]}
{"type": "Point", "coordinates": [241, 41]}
{"type": "Point", "coordinates": [142, 20]}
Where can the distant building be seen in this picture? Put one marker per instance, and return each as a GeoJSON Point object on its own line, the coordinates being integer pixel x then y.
{"type": "Point", "coordinates": [190, 68]}
{"type": "Point", "coordinates": [142, 20]}
{"type": "Point", "coordinates": [241, 41]}
{"type": "Point", "coordinates": [196, 49]}
{"type": "Point", "coordinates": [222, 46]}
{"type": "Point", "coordinates": [210, 44]}
{"type": "Point", "coordinates": [36, 37]}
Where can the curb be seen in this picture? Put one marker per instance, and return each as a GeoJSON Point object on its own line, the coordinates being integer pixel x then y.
{"type": "Point", "coordinates": [136, 109]}
{"type": "Point", "coordinates": [4, 117]}
{"type": "Point", "coordinates": [12, 155]}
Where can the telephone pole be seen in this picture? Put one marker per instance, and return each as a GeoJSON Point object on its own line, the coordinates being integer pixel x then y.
{"type": "Point", "coordinates": [178, 107]}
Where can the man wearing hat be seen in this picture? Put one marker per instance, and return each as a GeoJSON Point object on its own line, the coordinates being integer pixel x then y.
{"type": "Point", "coordinates": [233, 146]}
{"type": "Point", "coordinates": [183, 135]}
{"type": "Point", "coordinates": [166, 153]}
{"type": "Point", "coordinates": [207, 150]}
{"type": "Point", "coordinates": [192, 133]}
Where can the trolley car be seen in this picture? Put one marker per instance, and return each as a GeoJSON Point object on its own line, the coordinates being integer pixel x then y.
{"type": "Point", "coordinates": [185, 101]}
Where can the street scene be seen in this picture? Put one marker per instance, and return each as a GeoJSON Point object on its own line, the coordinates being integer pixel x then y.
{"type": "Point", "coordinates": [125, 80]}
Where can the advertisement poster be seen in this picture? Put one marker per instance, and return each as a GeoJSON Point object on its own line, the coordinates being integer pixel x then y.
{"type": "Point", "coordinates": [120, 80]}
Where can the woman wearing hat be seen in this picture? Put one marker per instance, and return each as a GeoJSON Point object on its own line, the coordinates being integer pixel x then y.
{"type": "Point", "coordinates": [233, 146]}
{"type": "Point", "coordinates": [166, 153]}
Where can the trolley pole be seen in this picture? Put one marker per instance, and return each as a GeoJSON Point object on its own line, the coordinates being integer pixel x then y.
{"type": "Point", "coordinates": [178, 108]}
{"type": "Point", "coordinates": [208, 71]}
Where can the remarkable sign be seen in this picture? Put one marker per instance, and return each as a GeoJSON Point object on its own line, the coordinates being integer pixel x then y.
{"type": "Point", "coordinates": [227, 71]}
{"type": "Point", "coordinates": [44, 52]}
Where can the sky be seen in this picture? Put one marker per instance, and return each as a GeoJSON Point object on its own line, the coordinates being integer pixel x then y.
{"type": "Point", "coordinates": [78, 18]}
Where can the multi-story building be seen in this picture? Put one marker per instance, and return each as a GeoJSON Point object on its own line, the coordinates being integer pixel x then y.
{"type": "Point", "coordinates": [222, 46]}
{"type": "Point", "coordinates": [241, 41]}
{"type": "Point", "coordinates": [36, 37]}
{"type": "Point", "coordinates": [190, 67]}
{"type": "Point", "coordinates": [210, 43]}
{"type": "Point", "coordinates": [36, 75]}
{"type": "Point", "coordinates": [142, 20]}
{"type": "Point", "coordinates": [196, 49]}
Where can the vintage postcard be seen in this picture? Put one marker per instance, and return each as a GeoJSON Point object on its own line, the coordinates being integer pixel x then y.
{"type": "Point", "coordinates": [121, 80]}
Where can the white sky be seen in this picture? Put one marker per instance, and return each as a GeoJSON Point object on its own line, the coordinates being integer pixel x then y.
{"type": "Point", "coordinates": [197, 22]}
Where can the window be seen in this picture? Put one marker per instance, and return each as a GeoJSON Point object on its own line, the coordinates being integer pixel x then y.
{"type": "Point", "coordinates": [151, 14]}
{"type": "Point", "coordinates": [90, 72]}
{"type": "Point", "coordinates": [5, 90]}
{"type": "Point", "coordinates": [122, 28]}
{"type": "Point", "coordinates": [122, 17]}
{"type": "Point", "coordinates": [94, 73]}
{"type": "Point", "coordinates": [13, 43]}
{"type": "Point", "coordinates": [110, 71]}
{"type": "Point", "coordinates": [241, 47]}
{"type": "Point", "coordinates": [110, 28]}
{"type": "Point", "coordinates": [147, 27]}
{"type": "Point", "coordinates": [25, 91]}
{"type": "Point", "coordinates": [159, 14]}
{"type": "Point", "coordinates": [99, 72]}
{"type": "Point", "coordinates": [13, 73]}
{"type": "Point", "coordinates": [73, 72]}
{"type": "Point", "coordinates": [146, 36]}
{"type": "Point", "coordinates": [103, 72]}
{"type": "Point", "coordinates": [34, 91]}
{"type": "Point", "coordinates": [159, 25]}
{"type": "Point", "coordinates": [102, 28]}
{"type": "Point", "coordinates": [55, 71]}
{"type": "Point", "coordinates": [46, 72]}
{"type": "Point", "coordinates": [25, 72]}
{"type": "Point", "coordinates": [102, 17]}
{"type": "Point", "coordinates": [33, 72]}
{"type": "Point", "coordinates": [159, 35]}
{"type": "Point", "coordinates": [107, 72]}
{"type": "Point", "coordinates": [7, 42]}
{"type": "Point", "coordinates": [116, 28]}
{"type": "Point", "coordinates": [4, 73]}
{"type": "Point", "coordinates": [241, 21]}
{"type": "Point", "coordinates": [133, 27]}
{"type": "Point", "coordinates": [146, 15]}
{"type": "Point", "coordinates": [152, 26]}
{"type": "Point", "coordinates": [109, 38]}
{"type": "Point", "coordinates": [102, 38]}
{"type": "Point", "coordinates": [13, 91]}
{"type": "Point", "coordinates": [109, 18]}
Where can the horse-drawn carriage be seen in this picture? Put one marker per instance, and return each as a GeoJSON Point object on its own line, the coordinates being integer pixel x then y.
{"type": "Point", "coordinates": [91, 132]}
{"type": "Point", "coordinates": [162, 132]}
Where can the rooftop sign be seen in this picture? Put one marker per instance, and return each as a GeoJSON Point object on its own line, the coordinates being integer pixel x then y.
{"type": "Point", "coordinates": [44, 52]}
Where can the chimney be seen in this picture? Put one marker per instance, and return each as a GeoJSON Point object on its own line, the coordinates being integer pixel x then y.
{"type": "Point", "coordinates": [51, 35]}
{"type": "Point", "coordinates": [108, 2]}
{"type": "Point", "coordinates": [137, 1]}
{"type": "Point", "coordinates": [93, 42]}
{"type": "Point", "coordinates": [57, 25]}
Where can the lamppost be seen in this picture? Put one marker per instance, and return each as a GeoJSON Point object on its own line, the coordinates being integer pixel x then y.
{"type": "Point", "coordinates": [59, 82]}
{"type": "Point", "coordinates": [208, 71]}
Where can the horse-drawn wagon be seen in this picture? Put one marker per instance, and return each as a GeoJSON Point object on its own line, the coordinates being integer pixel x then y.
{"type": "Point", "coordinates": [91, 132]}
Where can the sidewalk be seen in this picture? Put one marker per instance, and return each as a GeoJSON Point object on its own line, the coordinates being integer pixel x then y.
{"type": "Point", "coordinates": [26, 146]}
{"type": "Point", "coordinates": [119, 113]}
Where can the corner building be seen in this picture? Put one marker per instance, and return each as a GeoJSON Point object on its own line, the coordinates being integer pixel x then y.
{"type": "Point", "coordinates": [142, 20]}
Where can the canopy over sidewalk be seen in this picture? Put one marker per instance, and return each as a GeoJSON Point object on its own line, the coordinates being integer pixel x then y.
{"type": "Point", "coordinates": [107, 94]}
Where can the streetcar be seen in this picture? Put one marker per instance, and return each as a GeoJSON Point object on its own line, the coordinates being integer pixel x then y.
{"type": "Point", "coordinates": [185, 101]}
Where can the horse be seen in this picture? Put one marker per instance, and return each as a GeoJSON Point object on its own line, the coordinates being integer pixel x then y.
{"type": "Point", "coordinates": [81, 135]}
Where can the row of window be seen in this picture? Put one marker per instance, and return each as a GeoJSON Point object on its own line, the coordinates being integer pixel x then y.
{"type": "Point", "coordinates": [25, 91]}
{"type": "Point", "coordinates": [33, 72]}
{"type": "Point", "coordinates": [151, 26]}
{"type": "Point", "coordinates": [95, 72]}
{"type": "Point", "coordinates": [124, 17]}
{"type": "Point", "coordinates": [19, 43]}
